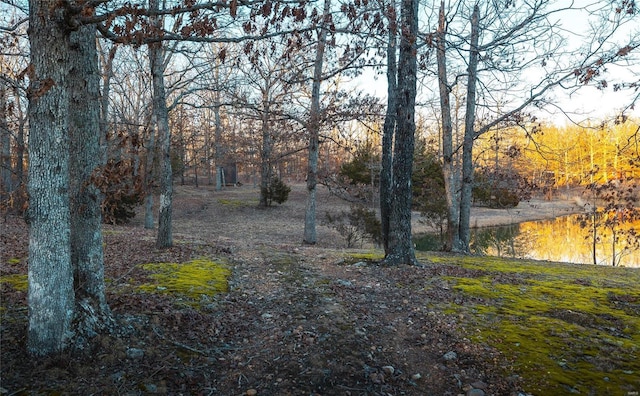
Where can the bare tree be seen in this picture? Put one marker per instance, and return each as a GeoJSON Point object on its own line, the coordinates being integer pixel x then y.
{"type": "Point", "coordinates": [504, 42]}
{"type": "Point", "coordinates": [400, 245]}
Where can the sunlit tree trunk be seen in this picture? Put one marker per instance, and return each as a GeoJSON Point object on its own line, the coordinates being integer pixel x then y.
{"type": "Point", "coordinates": [400, 244]}
{"type": "Point", "coordinates": [310, 236]}
{"type": "Point", "coordinates": [469, 134]}
{"type": "Point", "coordinates": [156, 55]}
{"type": "Point", "coordinates": [386, 172]}
{"type": "Point", "coordinates": [50, 295]}
{"type": "Point", "coordinates": [92, 312]}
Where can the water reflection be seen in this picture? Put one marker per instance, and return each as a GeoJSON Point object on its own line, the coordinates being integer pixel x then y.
{"type": "Point", "coordinates": [560, 239]}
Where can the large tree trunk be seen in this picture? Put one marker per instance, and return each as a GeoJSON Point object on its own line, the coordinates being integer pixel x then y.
{"type": "Point", "coordinates": [448, 167]}
{"type": "Point", "coordinates": [469, 134]}
{"type": "Point", "coordinates": [156, 55]}
{"type": "Point", "coordinates": [92, 312]}
{"type": "Point", "coordinates": [50, 296]}
{"type": "Point", "coordinates": [310, 236]}
{"type": "Point", "coordinates": [400, 250]}
{"type": "Point", "coordinates": [386, 173]}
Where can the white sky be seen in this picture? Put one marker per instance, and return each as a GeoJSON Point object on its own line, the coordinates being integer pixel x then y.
{"type": "Point", "coordinates": [587, 103]}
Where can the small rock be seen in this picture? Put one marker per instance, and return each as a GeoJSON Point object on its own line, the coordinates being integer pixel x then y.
{"type": "Point", "coordinates": [251, 392]}
{"type": "Point", "coordinates": [479, 385]}
{"type": "Point", "coordinates": [475, 392]}
{"type": "Point", "coordinates": [451, 355]}
{"type": "Point", "coordinates": [344, 283]}
{"type": "Point", "coordinates": [389, 370]}
{"type": "Point", "coordinates": [416, 376]}
{"type": "Point", "coordinates": [135, 353]}
{"type": "Point", "coordinates": [360, 264]}
{"type": "Point", "coordinates": [266, 316]}
{"type": "Point", "coordinates": [151, 388]}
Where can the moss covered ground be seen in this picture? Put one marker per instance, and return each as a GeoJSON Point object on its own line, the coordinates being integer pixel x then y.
{"type": "Point", "coordinates": [571, 329]}
{"type": "Point", "coordinates": [192, 282]}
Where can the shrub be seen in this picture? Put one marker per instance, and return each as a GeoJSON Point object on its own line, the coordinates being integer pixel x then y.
{"type": "Point", "coordinates": [362, 167]}
{"type": "Point", "coordinates": [429, 196]}
{"type": "Point", "coordinates": [500, 188]}
{"type": "Point", "coordinates": [356, 226]}
{"type": "Point", "coordinates": [276, 191]}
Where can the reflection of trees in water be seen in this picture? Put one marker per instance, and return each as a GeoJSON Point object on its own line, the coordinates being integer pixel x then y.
{"type": "Point", "coordinates": [498, 241]}
{"type": "Point", "coordinates": [560, 239]}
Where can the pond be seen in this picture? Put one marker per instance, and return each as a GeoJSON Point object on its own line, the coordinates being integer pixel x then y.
{"type": "Point", "coordinates": [561, 239]}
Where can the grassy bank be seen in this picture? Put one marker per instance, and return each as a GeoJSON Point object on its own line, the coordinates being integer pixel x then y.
{"type": "Point", "coordinates": [568, 328]}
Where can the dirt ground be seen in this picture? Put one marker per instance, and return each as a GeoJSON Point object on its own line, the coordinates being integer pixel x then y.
{"type": "Point", "coordinates": [297, 320]}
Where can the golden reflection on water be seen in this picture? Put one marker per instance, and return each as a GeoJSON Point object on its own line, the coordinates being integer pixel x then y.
{"type": "Point", "coordinates": [561, 239]}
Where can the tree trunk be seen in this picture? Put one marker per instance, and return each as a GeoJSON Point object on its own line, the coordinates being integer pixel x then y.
{"type": "Point", "coordinates": [469, 134]}
{"type": "Point", "coordinates": [6, 183]}
{"type": "Point", "coordinates": [218, 154]}
{"type": "Point", "coordinates": [50, 295]}
{"type": "Point", "coordinates": [267, 147]}
{"type": "Point", "coordinates": [310, 236]}
{"type": "Point", "coordinates": [386, 174]}
{"type": "Point", "coordinates": [156, 55]}
{"type": "Point", "coordinates": [150, 175]}
{"type": "Point", "coordinates": [400, 250]}
{"type": "Point", "coordinates": [448, 168]}
{"type": "Point", "coordinates": [104, 103]}
{"type": "Point", "coordinates": [92, 312]}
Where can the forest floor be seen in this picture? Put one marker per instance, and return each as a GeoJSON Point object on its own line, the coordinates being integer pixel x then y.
{"type": "Point", "coordinates": [324, 319]}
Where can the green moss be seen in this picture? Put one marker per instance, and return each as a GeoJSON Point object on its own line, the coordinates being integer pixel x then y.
{"type": "Point", "coordinates": [193, 280]}
{"type": "Point", "coordinates": [13, 261]}
{"type": "Point", "coordinates": [237, 203]}
{"type": "Point", "coordinates": [554, 320]}
{"type": "Point", "coordinates": [368, 256]}
{"type": "Point", "coordinates": [17, 281]}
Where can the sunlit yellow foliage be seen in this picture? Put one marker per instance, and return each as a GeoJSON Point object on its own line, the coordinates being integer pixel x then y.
{"type": "Point", "coordinates": [574, 155]}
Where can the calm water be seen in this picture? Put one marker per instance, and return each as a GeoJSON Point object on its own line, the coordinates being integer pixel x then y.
{"type": "Point", "coordinates": [561, 239]}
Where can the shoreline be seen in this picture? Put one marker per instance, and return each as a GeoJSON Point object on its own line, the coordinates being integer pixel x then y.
{"type": "Point", "coordinates": [532, 210]}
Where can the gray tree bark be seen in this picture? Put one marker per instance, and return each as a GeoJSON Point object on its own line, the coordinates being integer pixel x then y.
{"type": "Point", "coordinates": [469, 134]}
{"type": "Point", "coordinates": [310, 236]}
{"type": "Point", "coordinates": [267, 145]}
{"type": "Point", "coordinates": [451, 184]}
{"type": "Point", "coordinates": [92, 312]}
{"type": "Point", "coordinates": [156, 55]}
{"type": "Point", "coordinates": [50, 294]}
{"type": "Point", "coordinates": [400, 250]}
{"type": "Point", "coordinates": [6, 169]}
{"type": "Point", "coordinates": [386, 173]}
